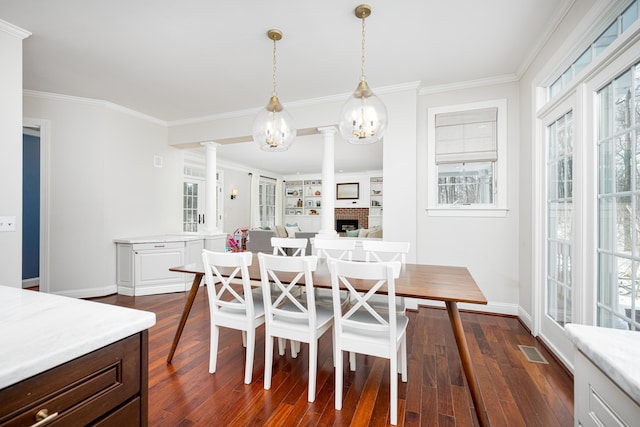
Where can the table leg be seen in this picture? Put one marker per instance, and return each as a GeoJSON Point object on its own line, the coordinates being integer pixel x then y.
{"type": "Point", "coordinates": [467, 366]}
{"type": "Point", "coordinates": [185, 313]}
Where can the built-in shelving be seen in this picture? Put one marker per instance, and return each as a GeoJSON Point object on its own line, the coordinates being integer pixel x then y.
{"type": "Point", "coordinates": [303, 197]}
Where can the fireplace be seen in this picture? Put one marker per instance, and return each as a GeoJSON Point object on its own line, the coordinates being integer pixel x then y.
{"type": "Point", "coordinates": [342, 225]}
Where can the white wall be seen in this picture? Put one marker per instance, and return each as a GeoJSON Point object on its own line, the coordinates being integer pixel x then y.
{"type": "Point", "coordinates": [103, 185]}
{"type": "Point", "coordinates": [488, 247]}
{"type": "Point", "coordinates": [11, 151]}
{"type": "Point", "coordinates": [237, 212]}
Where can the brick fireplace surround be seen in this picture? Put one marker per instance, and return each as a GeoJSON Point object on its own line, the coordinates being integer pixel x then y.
{"type": "Point", "coordinates": [361, 214]}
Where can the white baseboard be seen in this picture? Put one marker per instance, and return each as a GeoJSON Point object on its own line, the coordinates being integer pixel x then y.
{"type": "Point", "coordinates": [526, 319]}
{"type": "Point", "coordinates": [491, 307]}
{"type": "Point", "coordinates": [89, 292]}
{"type": "Point", "coordinates": [29, 283]}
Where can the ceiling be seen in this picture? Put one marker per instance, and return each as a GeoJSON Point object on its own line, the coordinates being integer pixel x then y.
{"type": "Point", "coordinates": [177, 61]}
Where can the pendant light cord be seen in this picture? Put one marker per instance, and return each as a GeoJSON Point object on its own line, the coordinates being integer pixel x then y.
{"type": "Point", "coordinates": [362, 52]}
{"type": "Point", "coordinates": [274, 67]}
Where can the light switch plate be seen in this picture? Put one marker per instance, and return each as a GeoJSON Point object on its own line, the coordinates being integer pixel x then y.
{"type": "Point", "coordinates": [7, 223]}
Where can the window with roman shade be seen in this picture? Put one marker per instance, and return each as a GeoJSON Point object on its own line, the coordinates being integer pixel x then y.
{"type": "Point", "coordinates": [467, 146]}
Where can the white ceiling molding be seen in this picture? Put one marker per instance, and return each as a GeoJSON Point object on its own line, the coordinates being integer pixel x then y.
{"type": "Point", "coordinates": [14, 30]}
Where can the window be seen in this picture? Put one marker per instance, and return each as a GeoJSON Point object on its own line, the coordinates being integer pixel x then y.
{"type": "Point", "coordinates": [618, 288]}
{"type": "Point", "coordinates": [619, 25]}
{"type": "Point", "coordinates": [559, 219]}
{"type": "Point", "coordinates": [467, 151]}
{"type": "Point", "coordinates": [267, 201]}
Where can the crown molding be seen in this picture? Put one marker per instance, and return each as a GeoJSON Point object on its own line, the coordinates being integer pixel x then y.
{"type": "Point", "coordinates": [13, 30]}
{"type": "Point", "coordinates": [508, 78]}
{"type": "Point", "coordinates": [290, 105]}
{"type": "Point", "coordinates": [95, 102]}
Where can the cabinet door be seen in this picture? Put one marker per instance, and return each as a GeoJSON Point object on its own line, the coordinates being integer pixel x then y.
{"type": "Point", "coordinates": [193, 252]}
{"type": "Point", "coordinates": [152, 266]}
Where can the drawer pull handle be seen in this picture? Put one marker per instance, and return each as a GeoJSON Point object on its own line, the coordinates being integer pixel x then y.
{"type": "Point", "coordinates": [158, 246]}
{"type": "Point", "coordinates": [43, 417]}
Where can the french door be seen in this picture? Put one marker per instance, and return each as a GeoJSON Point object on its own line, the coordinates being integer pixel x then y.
{"type": "Point", "coordinates": [558, 300]}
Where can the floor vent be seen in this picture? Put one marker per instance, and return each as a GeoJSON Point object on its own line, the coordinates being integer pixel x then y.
{"type": "Point", "coordinates": [532, 354]}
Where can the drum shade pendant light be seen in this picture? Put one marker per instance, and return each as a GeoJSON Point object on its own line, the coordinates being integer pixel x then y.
{"type": "Point", "coordinates": [273, 128]}
{"type": "Point", "coordinates": [363, 118]}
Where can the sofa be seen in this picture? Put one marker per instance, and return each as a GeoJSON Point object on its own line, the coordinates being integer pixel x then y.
{"type": "Point", "coordinates": [259, 240]}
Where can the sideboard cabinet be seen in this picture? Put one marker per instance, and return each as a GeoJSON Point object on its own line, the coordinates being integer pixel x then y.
{"type": "Point", "coordinates": [143, 263]}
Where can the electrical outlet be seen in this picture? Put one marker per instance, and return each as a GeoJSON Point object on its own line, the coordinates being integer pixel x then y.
{"type": "Point", "coordinates": [7, 223]}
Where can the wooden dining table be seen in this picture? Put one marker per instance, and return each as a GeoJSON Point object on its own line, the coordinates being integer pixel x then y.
{"type": "Point", "coordinates": [449, 284]}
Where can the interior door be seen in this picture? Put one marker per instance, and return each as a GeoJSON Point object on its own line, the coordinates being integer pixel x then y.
{"type": "Point", "coordinates": [193, 204]}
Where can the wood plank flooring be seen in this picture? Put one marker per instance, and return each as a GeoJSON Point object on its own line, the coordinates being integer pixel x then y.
{"type": "Point", "coordinates": [517, 392]}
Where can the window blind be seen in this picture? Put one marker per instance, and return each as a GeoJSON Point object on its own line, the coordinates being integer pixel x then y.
{"type": "Point", "coordinates": [466, 136]}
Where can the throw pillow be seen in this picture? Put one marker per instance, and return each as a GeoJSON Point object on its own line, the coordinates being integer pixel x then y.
{"type": "Point", "coordinates": [364, 232]}
{"type": "Point", "coordinates": [281, 231]}
{"type": "Point", "coordinates": [295, 224]}
{"type": "Point", "coordinates": [377, 233]}
{"type": "Point", "coordinates": [353, 233]}
{"type": "Point", "coordinates": [291, 231]}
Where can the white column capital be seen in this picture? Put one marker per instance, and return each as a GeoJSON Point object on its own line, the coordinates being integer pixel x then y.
{"type": "Point", "coordinates": [210, 145]}
{"type": "Point", "coordinates": [328, 130]}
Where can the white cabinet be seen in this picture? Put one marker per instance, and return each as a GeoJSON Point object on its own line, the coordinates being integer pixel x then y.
{"type": "Point", "coordinates": [606, 375]}
{"type": "Point", "coordinates": [598, 400]}
{"type": "Point", "coordinates": [143, 268]}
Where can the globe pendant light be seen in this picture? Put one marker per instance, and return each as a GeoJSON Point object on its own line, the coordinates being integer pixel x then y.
{"type": "Point", "coordinates": [273, 128]}
{"type": "Point", "coordinates": [363, 118]}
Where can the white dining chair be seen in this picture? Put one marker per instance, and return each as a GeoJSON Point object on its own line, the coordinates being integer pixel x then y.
{"type": "Point", "coordinates": [297, 247]}
{"type": "Point", "coordinates": [333, 248]}
{"type": "Point", "coordinates": [386, 251]}
{"type": "Point", "coordinates": [361, 328]}
{"type": "Point", "coordinates": [287, 317]}
{"type": "Point", "coordinates": [231, 308]}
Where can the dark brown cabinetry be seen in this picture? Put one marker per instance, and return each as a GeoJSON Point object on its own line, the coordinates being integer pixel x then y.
{"type": "Point", "coordinates": [107, 387]}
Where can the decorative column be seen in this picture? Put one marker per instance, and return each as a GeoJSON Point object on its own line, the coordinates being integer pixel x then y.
{"type": "Point", "coordinates": [328, 201]}
{"type": "Point", "coordinates": [211, 189]}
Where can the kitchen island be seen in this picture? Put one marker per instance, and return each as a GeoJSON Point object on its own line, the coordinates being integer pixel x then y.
{"type": "Point", "coordinates": [606, 375]}
{"type": "Point", "coordinates": [73, 360]}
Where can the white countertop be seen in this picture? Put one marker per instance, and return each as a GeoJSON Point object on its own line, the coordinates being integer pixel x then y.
{"type": "Point", "coordinates": [164, 238]}
{"type": "Point", "coordinates": [40, 331]}
{"type": "Point", "coordinates": [616, 352]}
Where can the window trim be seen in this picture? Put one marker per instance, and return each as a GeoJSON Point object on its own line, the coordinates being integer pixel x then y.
{"type": "Point", "coordinates": [499, 206]}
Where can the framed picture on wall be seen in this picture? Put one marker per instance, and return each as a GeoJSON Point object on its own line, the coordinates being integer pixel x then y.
{"type": "Point", "coordinates": [347, 191]}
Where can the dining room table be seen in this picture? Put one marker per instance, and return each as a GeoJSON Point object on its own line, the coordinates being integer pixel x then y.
{"type": "Point", "coordinates": [449, 284]}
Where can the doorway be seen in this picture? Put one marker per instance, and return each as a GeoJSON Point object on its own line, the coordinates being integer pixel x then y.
{"type": "Point", "coordinates": [35, 211]}
{"type": "Point", "coordinates": [30, 208]}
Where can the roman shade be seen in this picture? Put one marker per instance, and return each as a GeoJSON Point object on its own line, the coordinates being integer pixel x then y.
{"type": "Point", "coordinates": [466, 136]}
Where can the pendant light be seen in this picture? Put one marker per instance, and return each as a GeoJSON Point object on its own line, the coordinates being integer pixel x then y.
{"type": "Point", "coordinates": [273, 128]}
{"type": "Point", "coordinates": [363, 118]}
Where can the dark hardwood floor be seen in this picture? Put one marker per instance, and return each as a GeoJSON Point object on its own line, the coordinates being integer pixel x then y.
{"type": "Point", "coordinates": [517, 392]}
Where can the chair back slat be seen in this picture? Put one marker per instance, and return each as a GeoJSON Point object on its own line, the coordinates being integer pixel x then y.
{"type": "Point", "coordinates": [225, 269]}
{"type": "Point", "coordinates": [385, 251]}
{"type": "Point", "coordinates": [280, 245]}
{"type": "Point", "coordinates": [336, 248]}
{"type": "Point", "coordinates": [288, 274]}
{"type": "Point", "coordinates": [362, 315]}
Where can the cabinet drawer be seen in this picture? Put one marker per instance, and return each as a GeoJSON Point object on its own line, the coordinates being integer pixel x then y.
{"type": "Point", "coordinates": [80, 391]}
{"type": "Point", "coordinates": [127, 415]}
{"type": "Point", "coordinates": [157, 245]}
